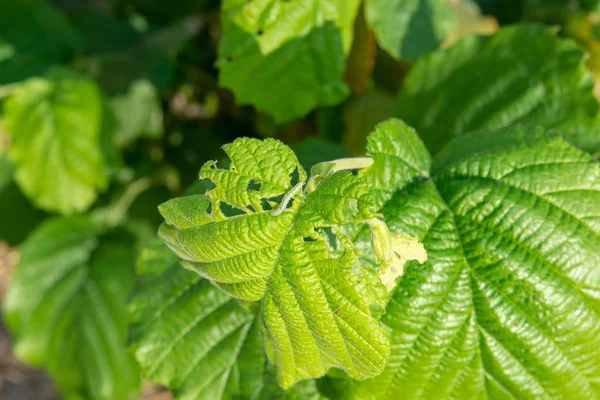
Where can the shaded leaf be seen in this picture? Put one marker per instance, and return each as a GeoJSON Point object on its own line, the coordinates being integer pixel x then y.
{"type": "Point", "coordinates": [285, 57]}
{"type": "Point", "coordinates": [190, 336]}
{"type": "Point", "coordinates": [312, 151]}
{"type": "Point", "coordinates": [362, 114]}
{"type": "Point", "coordinates": [19, 217]}
{"type": "Point", "coordinates": [33, 37]}
{"type": "Point", "coordinates": [492, 82]}
{"type": "Point", "coordinates": [408, 29]}
{"type": "Point", "coordinates": [152, 58]}
{"type": "Point", "coordinates": [361, 59]}
{"type": "Point", "coordinates": [66, 308]}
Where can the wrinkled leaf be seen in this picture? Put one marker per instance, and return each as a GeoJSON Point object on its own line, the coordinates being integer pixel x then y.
{"type": "Point", "coordinates": [305, 390]}
{"type": "Point", "coordinates": [508, 303]}
{"type": "Point", "coordinates": [190, 336]}
{"type": "Point", "coordinates": [492, 82]}
{"type": "Point", "coordinates": [313, 310]}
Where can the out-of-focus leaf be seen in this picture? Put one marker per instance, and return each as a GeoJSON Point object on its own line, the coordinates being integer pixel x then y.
{"type": "Point", "coordinates": [362, 114]}
{"type": "Point", "coordinates": [312, 151]}
{"type": "Point", "coordinates": [55, 124]}
{"type": "Point", "coordinates": [19, 218]}
{"type": "Point", "coordinates": [6, 172]}
{"type": "Point", "coordinates": [305, 390]}
{"type": "Point", "coordinates": [470, 20]}
{"type": "Point", "coordinates": [103, 33]}
{"type": "Point", "coordinates": [584, 28]}
{"type": "Point", "coordinates": [143, 218]}
{"type": "Point", "coordinates": [537, 6]}
{"type": "Point", "coordinates": [151, 58]}
{"type": "Point", "coordinates": [408, 29]}
{"type": "Point", "coordinates": [508, 303]}
{"type": "Point", "coordinates": [361, 59]}
{"type": "Point", "coordinates": [139, 114]}
{"type": "Point", "coordinates": [33, 36]}
{"type": "Point", "coordinates": [491, 82]}
{"type": "Point", "coordinates": [506, 11]}
{"type": "Point", "coordinates": [157, 10]}
{"type": "Point", "coordinates": [192, 337]}
{"type": "Point", "coordinates": [66, 308]}
{"type": "Point", "coordinates": [286, 57]}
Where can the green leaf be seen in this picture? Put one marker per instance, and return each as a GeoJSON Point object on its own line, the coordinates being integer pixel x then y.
{"type": "Point", "coordinates": [535, 7]}
{"type": "Point", "coordinates": [190, 336]}
{"type": "Point", "coordinates": [66, 308]}
{"type": "Point", "coordinates": [55, 124]}
{"type": "Point", "coordinates": [33, 36]}
{"type": "Point", "coordinates": [305, 390]}
{"type": "Point", "coordinates": [139, 114]}
{"type": "Point", "coordinates": [19, 218]}
{"type": "Point", "coordinates": [286, 57]}
{"type": "Point", "coordinates": [493, 82]}
{"type": "Point", "coordinates": [409, 29]}
{"type": "Point", "coordinates": [508, 303]}
{"type": "Point", "coordinates": [313, 310]}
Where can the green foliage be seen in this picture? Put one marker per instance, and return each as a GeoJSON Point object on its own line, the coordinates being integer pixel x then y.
{"type": "Point", "coordinates": [192, 337]}
{"type": "Point", "coordinates": [33, 36]}
{"type": "Point", "coordinates": [486, 83]}
{"type": "Point", "coordinates": [410, 29]}
{"type": "Point", "coordinates": [66, 308]}
{"type": "Point", "coordinates": [138, 114]}
{"type": "Point", "coordinates": [504, 306]}
{"type": "Point", "coordinates": [57, 169]}
{"type": "Point", "coordinates": [272, 48]}
{"type": "Point", "coordinates": [278, 253]}
{"type": "Point", "coordinates": [19, 217]}
{"type": "Point", "coordinates": [284, 272]}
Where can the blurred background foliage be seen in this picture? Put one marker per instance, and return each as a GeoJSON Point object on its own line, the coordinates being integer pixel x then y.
{"type": "Point", "coordinates": [110, 107]}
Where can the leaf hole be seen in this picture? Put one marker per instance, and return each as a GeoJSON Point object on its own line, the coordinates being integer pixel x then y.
{"type": "Point", "coordinates": [254, 186]}
{"type": "Point", "coordinates": [308, 239]}
{"type": "Point", "coordinates": [295, 177]}
{"type": "Point", "coordinates": [230, 211]}
{"type": "Point", "coordinates": [329, 235]}
{"type": "Point", "coordinates": [259, 32]}
{"type": "Point", "coordinates": [268, 205]}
